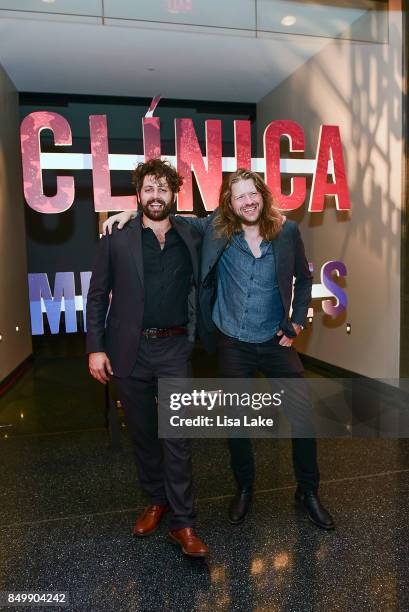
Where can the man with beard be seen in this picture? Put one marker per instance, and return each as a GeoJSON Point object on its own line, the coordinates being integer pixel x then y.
{"type": "Point", "coordinates": [151, 268]}
{"type": "Point", "coordinates": [250, 257]}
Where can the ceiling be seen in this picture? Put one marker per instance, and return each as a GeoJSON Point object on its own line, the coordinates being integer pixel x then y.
{"type": "Point", "coordinates": [60, 53]}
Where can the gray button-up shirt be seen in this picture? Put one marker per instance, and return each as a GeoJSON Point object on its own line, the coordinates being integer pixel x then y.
{"type": "Point", "coordinates": [248, 304]}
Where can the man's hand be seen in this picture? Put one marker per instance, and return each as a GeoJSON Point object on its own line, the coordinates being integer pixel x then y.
{"type": "Point", "coordinates": [285, 341]}
{"type": "Point", "coordinates": [120, 218]}
{"type": "Point", "coordinates": [100, 367]}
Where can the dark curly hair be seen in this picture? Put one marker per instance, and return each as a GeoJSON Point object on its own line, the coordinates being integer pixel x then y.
{"type": "Point", "coordinates": [159, 169]}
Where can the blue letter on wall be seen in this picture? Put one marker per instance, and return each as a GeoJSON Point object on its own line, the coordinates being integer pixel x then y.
{"type": "Point", "coordinates": [64, 287]}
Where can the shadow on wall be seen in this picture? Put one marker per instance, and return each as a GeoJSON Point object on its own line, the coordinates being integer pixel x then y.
{"type": "Point", "coordinates": [374, 86]}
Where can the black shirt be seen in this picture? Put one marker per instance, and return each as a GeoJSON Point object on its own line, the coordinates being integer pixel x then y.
{"type": "Point", "coordinates": [167, 279]}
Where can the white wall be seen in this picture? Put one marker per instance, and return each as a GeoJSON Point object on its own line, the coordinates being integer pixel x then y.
{"type": "Point", "coordinates": [358, 87]}
{"type": "Point", "coordinates": [14, 307]}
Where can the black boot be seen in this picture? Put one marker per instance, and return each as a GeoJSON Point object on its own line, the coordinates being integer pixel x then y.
{"type": "Point", "coordinates": [240, 505]}
{"type": "Point", "coordinates": [310, 503]}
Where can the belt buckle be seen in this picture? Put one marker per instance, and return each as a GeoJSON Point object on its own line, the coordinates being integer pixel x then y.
{"type": "Point", "coordinates": [151, 332]}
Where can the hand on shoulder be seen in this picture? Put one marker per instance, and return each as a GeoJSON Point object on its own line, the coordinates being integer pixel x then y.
{"type": "Point", "coordinates": [121, 218]}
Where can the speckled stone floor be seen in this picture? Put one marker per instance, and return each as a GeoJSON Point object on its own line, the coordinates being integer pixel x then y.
{"type": "Point", "coordinates": [68, 503]}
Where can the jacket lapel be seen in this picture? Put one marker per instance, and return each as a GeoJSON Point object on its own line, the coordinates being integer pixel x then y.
{"type": "Point", "coordinates": [215, 247]}
{"type": "Point", "coordinates": [279, 249]}
{"type": "Point", "coordinates": [134, 237]}
{"type": "Point", "coordinates": [276, 251]}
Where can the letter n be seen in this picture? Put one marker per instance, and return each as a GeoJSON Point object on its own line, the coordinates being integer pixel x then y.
{"type": "Point", "coordinates": [189, 157]}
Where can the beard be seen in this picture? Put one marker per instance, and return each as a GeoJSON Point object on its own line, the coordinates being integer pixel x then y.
{"type": "Point", "coordinates": [250, 222]}
{"type": "Point", "coordinates": [159, 213]}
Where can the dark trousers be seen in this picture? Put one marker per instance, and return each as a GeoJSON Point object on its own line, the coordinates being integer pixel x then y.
{"type": "Point", "coordinates": [239, 359]}
{"type": "Point", "coordinates": [164, 465]}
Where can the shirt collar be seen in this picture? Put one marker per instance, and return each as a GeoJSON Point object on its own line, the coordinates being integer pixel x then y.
{"type": "Point", "coordinates": [240, 241]}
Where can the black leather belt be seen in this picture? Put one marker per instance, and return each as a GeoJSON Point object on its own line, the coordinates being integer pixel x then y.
{"type": "Point", "coordinates": [163, 332]}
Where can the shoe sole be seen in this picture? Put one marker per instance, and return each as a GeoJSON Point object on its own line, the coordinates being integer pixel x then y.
{"type": "Point", "coordinates": [176, 542]}
{"type": "Point", "coordinates": [301, 507]}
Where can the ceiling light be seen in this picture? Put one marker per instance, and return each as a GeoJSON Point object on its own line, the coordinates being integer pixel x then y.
{"type": "Point", "coordinates": [48, 1]}
{"type": "Point", "coordinates": [288, 20]}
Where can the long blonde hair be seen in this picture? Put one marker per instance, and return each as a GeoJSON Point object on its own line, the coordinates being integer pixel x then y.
{"type": "Point", "coordinates": [227, 223]}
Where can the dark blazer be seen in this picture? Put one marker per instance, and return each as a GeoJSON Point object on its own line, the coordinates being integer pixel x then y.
{"type": "Point", "coordinates": [291, 264]}
{"type": "Point", "coordinates": [118, 268]}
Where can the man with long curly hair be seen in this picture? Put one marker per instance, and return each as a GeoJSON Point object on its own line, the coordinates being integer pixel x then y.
{"type": "Point", "coordinates": [251, 255]}
{"type": "Point", "coordinates": [152, 269]}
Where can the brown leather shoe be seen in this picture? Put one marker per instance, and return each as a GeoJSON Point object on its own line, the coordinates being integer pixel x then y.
{"type": "Point", "coordinates": [149, 520]}
{"type": "Point", "coordinates": [190, 544]}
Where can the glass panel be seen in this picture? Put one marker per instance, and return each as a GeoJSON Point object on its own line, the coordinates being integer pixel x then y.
{"type": "Point", "coordinates": [365, 20]}
{"type": "Point", "coordinates": [63, 7]}
{"type": "Point", "coordinates": [227, 14]}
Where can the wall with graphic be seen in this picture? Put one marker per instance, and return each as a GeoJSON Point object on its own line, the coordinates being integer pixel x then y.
{"type": "Point", "coordinates": [203, 149]}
